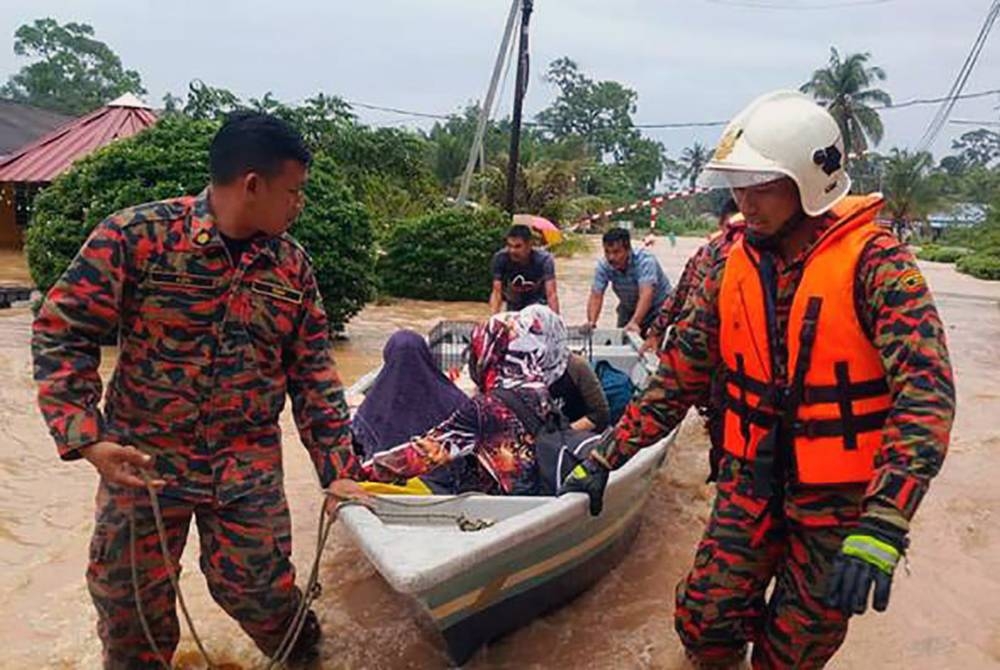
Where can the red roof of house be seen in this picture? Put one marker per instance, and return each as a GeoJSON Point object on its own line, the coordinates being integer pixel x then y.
{"type": "Point", "coordinates": [49, 156]}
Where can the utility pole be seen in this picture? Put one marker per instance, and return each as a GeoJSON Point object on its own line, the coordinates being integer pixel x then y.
{"type": "Point", "coordinates": [487, 106]}
{"type": "Point", "coordinates": [520, 87]}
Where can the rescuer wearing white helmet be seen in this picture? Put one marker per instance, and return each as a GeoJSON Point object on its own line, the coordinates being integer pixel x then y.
{"type": "Point", "coordinates": [837, 398]}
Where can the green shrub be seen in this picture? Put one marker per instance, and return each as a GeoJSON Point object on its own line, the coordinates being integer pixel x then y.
{"type": "Point", "coordinates": [166, 161]}
{"type": "Point", "coordinates": [570, 245]}
{"type": "Point", "coordinates": [171, 159]}
{"type": "Point", "coordinates": [939, 254]}
{"type": "Point", "coordinates": [686, 225]}
{"type": "Point", "coordinates": [337, 233]}
{"type": "Point", "coordinates": [981, 265]}
{"type": "Point", "coordinates": [443, 255]}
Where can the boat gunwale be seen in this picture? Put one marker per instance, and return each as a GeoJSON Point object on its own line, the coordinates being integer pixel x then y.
{"type": "Point", "coordinates": [369, 532]}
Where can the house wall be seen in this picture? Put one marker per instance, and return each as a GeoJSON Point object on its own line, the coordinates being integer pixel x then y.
{"type": "Point", "coordinates": [10, 234]}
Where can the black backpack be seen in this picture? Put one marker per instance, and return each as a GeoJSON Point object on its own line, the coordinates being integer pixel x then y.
{"type": "Point", "coordinates": [558, 448]}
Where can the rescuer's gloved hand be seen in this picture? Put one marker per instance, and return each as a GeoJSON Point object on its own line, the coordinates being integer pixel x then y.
{"type": "Point", "coordinates": [588, 477]}
{"type": "Point", "coordinates": [866, 562]}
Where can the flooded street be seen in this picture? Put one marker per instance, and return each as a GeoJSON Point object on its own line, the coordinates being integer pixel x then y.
{"type": "Point", "coordinates": [945, 615]}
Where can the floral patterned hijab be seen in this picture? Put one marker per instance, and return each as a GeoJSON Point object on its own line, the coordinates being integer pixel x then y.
{"type": "Point", "coordinates": [522, 349]}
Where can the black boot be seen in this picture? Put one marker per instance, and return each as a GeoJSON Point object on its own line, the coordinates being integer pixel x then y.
{"type": "Point", "coordinates": [306, 647]}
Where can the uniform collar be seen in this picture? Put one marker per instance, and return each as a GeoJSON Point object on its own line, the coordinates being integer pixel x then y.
{"type": "Point", "coordinates": [203, 231]}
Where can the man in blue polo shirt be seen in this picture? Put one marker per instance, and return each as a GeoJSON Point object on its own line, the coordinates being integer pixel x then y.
{"type": "Point", "coordinates": [636, 278]}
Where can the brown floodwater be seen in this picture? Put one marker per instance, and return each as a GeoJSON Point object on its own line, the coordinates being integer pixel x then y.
{"type": "Point", "coordinates": [945, 615]}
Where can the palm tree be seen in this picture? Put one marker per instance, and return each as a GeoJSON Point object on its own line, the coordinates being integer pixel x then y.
{"type": "Point", "coordinates": [909, 193]}
{"type": "Point", "coordinates": [845, 86]}
{"type": "Point", "coordinates": [693, 159]}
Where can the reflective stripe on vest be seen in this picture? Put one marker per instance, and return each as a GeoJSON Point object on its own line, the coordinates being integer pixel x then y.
{"type": "Point", "coordinates": [835, 394]}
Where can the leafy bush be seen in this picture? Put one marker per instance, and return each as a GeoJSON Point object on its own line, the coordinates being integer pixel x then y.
{"type": "Point", "coordinates": [337, 233]}
{"type": "Point", "coordinates": [442, 256]}
{"type": "Point", "coordinates": [686, 225]}
{"type": "Point", "coordinates": [570, 245]}
{"type": "Point", "coordinates": [939, 254]}
{"type": "Point", "coordinates": [166, 161]}
{"type": "Point", "coordinates": [981, 265]}
{"type": "Point", "coordinates": [171, 159]}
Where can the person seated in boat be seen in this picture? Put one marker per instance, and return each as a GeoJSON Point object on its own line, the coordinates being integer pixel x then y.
{"type": "Point", "coordinates": [513, 359]}
{"type": "Point", "coordinates": [580, 396]}
{"type": "Point", "coordinates": [409, 396]}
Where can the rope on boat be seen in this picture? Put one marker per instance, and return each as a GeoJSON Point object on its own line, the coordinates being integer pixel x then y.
{"type": "Point", "coordinates": [310, 593]}
{"type": "Point", "coordinates": [464, 522]}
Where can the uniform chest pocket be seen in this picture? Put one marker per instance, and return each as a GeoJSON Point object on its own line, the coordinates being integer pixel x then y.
{"type": "Point", "coordinates": [178, 314]}
{"type": "Point", "coordinates": [181, 299]}
{"type": "Point", "coordinates": [274, 311]}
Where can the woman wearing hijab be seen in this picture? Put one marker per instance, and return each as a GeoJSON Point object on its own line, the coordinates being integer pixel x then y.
{"type": "Point", "coordinates": [513, 354]}
{"type": "Point", "coordinates": [409, 396]}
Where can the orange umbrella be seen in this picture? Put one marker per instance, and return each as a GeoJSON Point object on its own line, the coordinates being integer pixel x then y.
{"type": "Point", "coordinates": [549, 231]}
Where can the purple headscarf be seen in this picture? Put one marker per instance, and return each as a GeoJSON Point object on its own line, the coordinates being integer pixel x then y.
{"type": "Point", "coordinates": [409, 396]}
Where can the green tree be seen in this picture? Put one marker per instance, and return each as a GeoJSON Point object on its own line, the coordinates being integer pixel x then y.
{"type": "Point", "coordinates": [909, 193]}
{"type": "Point", "coordinates": [978, 148]}
{"type": "Point", "coordinates": [442, 256]}
{"type": "Point", "coordinates": [75, 73]}
{"type": "Point", "coordinates": [204, 101]}
{"type": "Point", "coordinates": [846, 87]}
{"type": "Point", "coordinates": [867, 172]}
{"type": "Point", "coordinates": [693, 159]}
{"type": "Point", "coordinates": [600, 114]}
{"type": "Point", "coordinates": [599, 111]}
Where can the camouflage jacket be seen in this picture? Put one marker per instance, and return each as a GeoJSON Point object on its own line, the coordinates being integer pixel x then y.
{"type": "Point", "coordinates": [693, 274]}
{"type": "Point", "coordinates": [207, 352]}
{"type": "Point", "coordinates": [896, 307]}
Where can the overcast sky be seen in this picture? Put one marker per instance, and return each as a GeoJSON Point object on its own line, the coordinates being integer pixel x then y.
{"type": "Point", "coordinates": [688, 60]}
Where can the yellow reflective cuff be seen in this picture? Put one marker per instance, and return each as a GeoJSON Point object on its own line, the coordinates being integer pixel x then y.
{"type": "Point", "coordinates": [873, 551]}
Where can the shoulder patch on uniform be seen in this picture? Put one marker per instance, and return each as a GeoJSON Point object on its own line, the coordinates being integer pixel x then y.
{"type": "Point", "coordinates": [278, 291]}
{"type": "Point", "coordinates": [296, 245]}
{"type": "Point", "coordinates": [202, 238]}
{"type": "Point", "coordinates": [161, 210]}
{"type": "Point", "coordinates": [912, 279]}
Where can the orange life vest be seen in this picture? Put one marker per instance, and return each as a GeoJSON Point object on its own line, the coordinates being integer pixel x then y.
{"type": "Point", "coordinates": [834, 400]}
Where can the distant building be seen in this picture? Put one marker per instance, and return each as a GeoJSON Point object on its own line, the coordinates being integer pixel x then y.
{"type": "Point", "coordinates": [22, 124]}
{"type": "Point", "coordinates": [964, 214]}
{"type": "Point", "coordinates": [36, 164]}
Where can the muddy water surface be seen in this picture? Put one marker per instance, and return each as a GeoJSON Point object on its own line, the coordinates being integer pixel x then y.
{"type": "Point", "coordinates": [945, 615]}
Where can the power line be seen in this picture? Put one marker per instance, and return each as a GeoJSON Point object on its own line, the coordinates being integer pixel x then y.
{"type": "Point", "coordinates": [968, 122]}
{"type": "Point", "coordinates": [941, 117]}
{"type": "Point", "coordinates": [396, 110]}
{"type": "Point", "coordinates": [750, 4]}
{"type": "Point", "coordinates": [915, 102]}
{"type": "Point", "coordinates": [933, 101]}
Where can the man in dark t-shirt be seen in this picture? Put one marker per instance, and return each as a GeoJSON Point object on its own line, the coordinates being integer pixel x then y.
{"type": "Point", "coordinates": [523, 275]}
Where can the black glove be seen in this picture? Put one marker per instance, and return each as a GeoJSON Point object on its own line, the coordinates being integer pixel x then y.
{"type": "Point", "coordinates": [867, 559]}
{"type": "Point", "coordinates": [588, 477]}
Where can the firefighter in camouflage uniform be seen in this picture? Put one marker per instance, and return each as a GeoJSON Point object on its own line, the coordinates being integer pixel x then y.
{"type": "Point", "coordinates": [218, 316]}
{"type": "Point", "coordinates": [838, 399]}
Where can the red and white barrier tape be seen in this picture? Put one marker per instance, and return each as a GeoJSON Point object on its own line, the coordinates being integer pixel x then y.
{"type": "Point", "coordinates": [652, 203]}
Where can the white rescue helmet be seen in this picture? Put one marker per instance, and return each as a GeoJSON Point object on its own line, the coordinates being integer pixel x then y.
{"type": "Point", "coordinates": [782, 134]}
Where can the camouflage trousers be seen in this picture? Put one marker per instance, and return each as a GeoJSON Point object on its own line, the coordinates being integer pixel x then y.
{"type": "Point", "coordinates": [722, 604]}
{"type": "Point", "coordinates": [245, 557]}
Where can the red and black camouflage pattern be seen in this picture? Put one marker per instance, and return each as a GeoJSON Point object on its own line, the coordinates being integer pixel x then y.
{"type": "Point", "coordinates": [721, 605]}
{"type": "Point", "coordinates": [694, 272]}
{"type": "Point", "coordinates": [245, 557]}
{"type": "Point", "coordinates": [207, 352]}
{"type": "Point", "coordinates": [897, 310]}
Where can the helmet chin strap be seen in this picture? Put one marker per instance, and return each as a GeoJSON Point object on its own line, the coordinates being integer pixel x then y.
{"type": "Point", "coordinates": [772, 242]}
